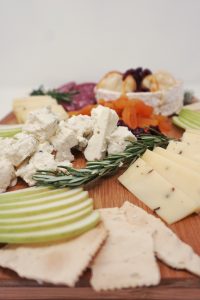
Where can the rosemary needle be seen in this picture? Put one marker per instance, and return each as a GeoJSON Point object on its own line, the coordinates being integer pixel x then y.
{"type": "Point", "coordinates": [96, 169]}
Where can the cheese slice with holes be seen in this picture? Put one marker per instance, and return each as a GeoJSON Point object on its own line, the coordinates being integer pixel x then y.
{"type": "Point", "coordinates": [170, 203]}
{"type": "Point", "coordinates": [181, 177]}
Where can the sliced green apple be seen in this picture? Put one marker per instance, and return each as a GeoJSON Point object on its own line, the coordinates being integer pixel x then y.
{"type": "Point", "coordinates": [43, 225]}
{"type": "Point", "coordinates": [41, 198]}
{"type": "Point", "coordinates": [62, 232]}
{"type": "Point", "coordinates": [56, 204]}
{"type": "Point", "coordinates": [47, 216]}
{"type": "Point", "coordinates": [23, 193]}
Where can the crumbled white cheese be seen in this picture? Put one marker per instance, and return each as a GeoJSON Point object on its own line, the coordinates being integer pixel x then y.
{"type": "Point", "coordinates": [105, 122]}
{"type": "Point", "coordinates": [7, 174]}
{"type": "Point", "coordinates": [63, 141]}
{"type": "Point", "coordinates": [119, 140]}
{"type": "Point", "coordinates": [82, 127]}
{"type": "Point", "coordinates": [39, 161]}
{"type": "Point", "coordinates": [42, 124]}
{"type": "Point", "coordinates": [45, 147]}
{"type": "Point", "coordinates": [17, 149]}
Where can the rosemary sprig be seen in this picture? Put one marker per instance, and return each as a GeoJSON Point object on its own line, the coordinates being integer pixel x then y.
{"type": "Point", "coordinates": [97, 169]}
{"type": "Point", "coordinates": [59, 96]}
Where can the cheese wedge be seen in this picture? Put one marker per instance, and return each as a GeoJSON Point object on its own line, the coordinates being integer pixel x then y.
{"type": "Point", "coordinates": [181, 177]}
{"type": "Point", "coordinates": [184, 149]}
{"type": "Point", "coordinates": [170, 203]}
{"type": "Point", "coordinates": [179, 159]}
{"type": "Point", "coordinates": [192, 138]}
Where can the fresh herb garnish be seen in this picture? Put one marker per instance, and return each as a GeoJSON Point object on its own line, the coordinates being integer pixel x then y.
{"type": "Point", "coordinates": [59, 96]}
{"type": "Point", "coordinates": [97, 169]}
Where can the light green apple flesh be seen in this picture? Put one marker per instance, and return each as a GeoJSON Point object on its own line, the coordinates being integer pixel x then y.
{"type": "Point", "coordinates": [44, 225]}
{"type": "Point", "coordinates": [54, 234]}
{"type": "Point", "coordinates": [41, 198]}
{"type": "Point", "coordinates": [26, 220]}
{"type": "Point", "coordinates": [22, 193]}
{"type": "Point", "coordinates": [54, 205]}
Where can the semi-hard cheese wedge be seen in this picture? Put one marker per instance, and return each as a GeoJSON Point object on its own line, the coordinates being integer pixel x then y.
{"type": "Point", "coordinates": [170, 203]}
{"type": "Point", "coordinates": [179, 159]}
{"type": "Point", "coordinates": [182, 178]}
{"type": "Point", "coordinates": [185, 149]}
{"type": "Point", "coordinates": [192, 138]}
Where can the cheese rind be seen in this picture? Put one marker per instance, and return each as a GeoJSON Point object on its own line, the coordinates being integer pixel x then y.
{"type": "Point", "coordinates": [181, 177]}
{"type": "Point", "coordinates": [170, 203]}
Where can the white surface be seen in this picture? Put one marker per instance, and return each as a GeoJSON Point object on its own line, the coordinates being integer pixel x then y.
{"type": "Point", "coordinates": [53, 41]}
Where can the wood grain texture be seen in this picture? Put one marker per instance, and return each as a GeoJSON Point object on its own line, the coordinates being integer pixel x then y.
{"type": "Point", "coordinates": [109, 193]}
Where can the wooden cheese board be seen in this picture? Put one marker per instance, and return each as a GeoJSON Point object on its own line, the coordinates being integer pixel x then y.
{"type": "Point", "coordinates": [109, 193]}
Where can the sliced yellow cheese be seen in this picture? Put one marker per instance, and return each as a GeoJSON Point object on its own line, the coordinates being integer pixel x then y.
{"type": "Point", "coordinates": [170, 203]}
{"type": "Point", "coordinates": [191, 138]}
{"type": "Point", "coordinates": [185, 149]}
{"type": "Point", "coordinates": [181, 177]}
{"type": "Point", "coordinates": [33, 100]}
{"type": "Point", "coordinates": [179, 159]}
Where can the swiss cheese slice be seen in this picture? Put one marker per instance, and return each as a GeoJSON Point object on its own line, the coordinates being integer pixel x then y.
{"type": "Point", "coordinates": [170, 203]}
{"type": "Point", "coordinates": [181, 177]}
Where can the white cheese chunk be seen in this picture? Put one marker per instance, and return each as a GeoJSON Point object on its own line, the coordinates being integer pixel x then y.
{"type": "Point", "coordinates": [39, 161]}
{"type": "Point", "coordinates": [170, 203]}
{"type": "Point", "coordinates": [63, 141]}
{"type": "Point", "coordinates": [82, 126]}
{"type": "Point", "coordinates": [7, 174]}
{"type": "Point", "coordinates": [105, 122]}
{"type": "Point", "coordinates": [119, 139]}
{"type": "Point", "coordinates": [17, 149]}
{"type": "Point", "coordinates": [42, 124]}
{"type": "Point", "coordinates": [167, 246]}
{"type": "Point", "coordinates": [185, 149]}
{"type": "Point", "coordinates": [180, 177]}
{"type": "Point", "coordinates": [126, 258]}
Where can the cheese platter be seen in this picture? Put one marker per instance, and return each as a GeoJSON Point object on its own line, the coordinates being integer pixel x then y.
{"type": "Point", "coordinates": [98, 242]}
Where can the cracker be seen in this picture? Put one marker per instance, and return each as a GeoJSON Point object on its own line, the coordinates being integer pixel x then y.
{"type": "Point", "coordinates": [58, 263]}
{"type": "Point", "coordinates": [126, 258]}
{"type": "Point", "coordinates": [168, 247]}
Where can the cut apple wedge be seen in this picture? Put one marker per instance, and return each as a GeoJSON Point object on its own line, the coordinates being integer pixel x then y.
{"type": "Point", "coordinates": [53, 205]}
{"type": "Point", "coordinates": [53, 234]}
{"type": "Point", "coordinates": [44, 197]}
{"type": "Point", "coordinates": [44, 225]}
{"type": "Point", "coordinates": [46, 217]}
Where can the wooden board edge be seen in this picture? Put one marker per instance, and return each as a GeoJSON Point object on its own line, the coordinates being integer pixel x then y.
{"type": "Point", "coordinates": [168, 289]}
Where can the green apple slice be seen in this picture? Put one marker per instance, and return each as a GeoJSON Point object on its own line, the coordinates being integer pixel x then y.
{"type": "Point", "coordinates": [43, 225]}
{"type": "Point", "coordinates": [23, 192]}
{"type": "Point", "coordinates": [44, 198]}
{"type": "Point", "coordinates": [46, 207]}
{"type": "Point", "coordinates": [47, 216]}
{"type": "Point", "coordinates": [23, 197]}
{"type": "Point", "coordinates": [54, 234]}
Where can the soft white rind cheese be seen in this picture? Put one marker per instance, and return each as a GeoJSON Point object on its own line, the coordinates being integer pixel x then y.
{"type": "Point", "coordinates": [42, 124]}
{"type": "Point", "coordinates": [120, 139]}
{"type": "Point", "coordinates": [170, 203]}
{"type": "Point", "coordinates": [105, 122]}
{"type": "Point", "coordinates": [165, 101]}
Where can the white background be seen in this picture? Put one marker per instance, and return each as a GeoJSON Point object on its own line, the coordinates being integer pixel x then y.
{"type": "Point", "coordinates": [51, 42]}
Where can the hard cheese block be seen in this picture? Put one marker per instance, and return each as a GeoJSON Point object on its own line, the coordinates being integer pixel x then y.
{"type": "Point", "coordinates": [170, 203]}
{"type": "Point", "coordinates": [185, 149]}
{"type": "Point", "coordinates": [180, 176]}
{"type": "Point", "coordinates": [179, 159]}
